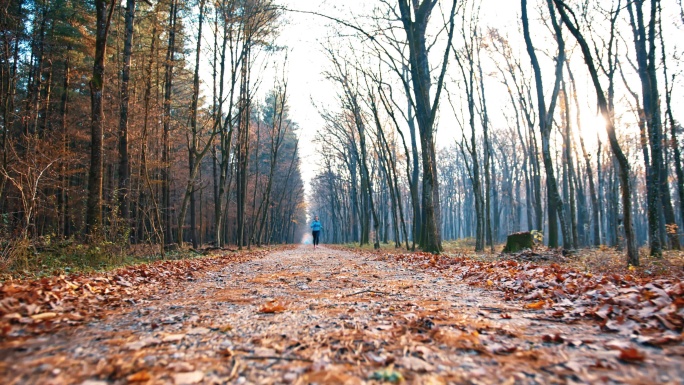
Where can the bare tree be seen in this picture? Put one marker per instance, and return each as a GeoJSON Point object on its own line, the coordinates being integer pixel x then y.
{"type": "Point", "coordinates": [570, 21]}
{"type": "Point", "coordinates": [555, 208]}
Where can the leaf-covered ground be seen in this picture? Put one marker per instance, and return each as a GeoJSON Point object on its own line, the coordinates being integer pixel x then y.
{"type": "Point", "coordinates": [341, 317]}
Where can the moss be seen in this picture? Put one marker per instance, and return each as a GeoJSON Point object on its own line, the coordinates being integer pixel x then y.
{"type": "Point", "coordinates": [519, 241]}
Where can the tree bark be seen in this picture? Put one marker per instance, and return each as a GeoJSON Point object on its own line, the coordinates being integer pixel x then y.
{"type": "Point", "coordinates": [94, 204]}
{"type": "Point", "coordinates": [124, 167]}
{"type": "Point", "coordinates": [415, 24]}
{"type": "Point", "coordinates": [194, 158]}
{"type": "Point", "coordinates": [644, 43]}
{"type": "Point", "coordinates": [555, 208]}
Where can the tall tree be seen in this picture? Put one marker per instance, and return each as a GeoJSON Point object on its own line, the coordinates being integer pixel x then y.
{"type": "Point", "coordinates": [644, 31]}
{"type": "Point", "coordinates": [570, 21]}
{"type": "Point", "coordinates": [555, 208]}
{"type": "Point", "coordinates": [97, 82]}
{"type": "Point", "coordinates": [124, 164]}
{"type": "Point", "coordinates": [415, 17]}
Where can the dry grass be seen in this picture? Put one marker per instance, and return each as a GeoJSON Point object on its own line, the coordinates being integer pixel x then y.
{"type": "Point", "coordinates": [606, 260]}
{"type": "Point", "coordinates": [601, 260]}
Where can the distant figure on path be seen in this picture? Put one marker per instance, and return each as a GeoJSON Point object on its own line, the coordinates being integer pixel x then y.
{"type": "Point", "coordinates": [316, 230]}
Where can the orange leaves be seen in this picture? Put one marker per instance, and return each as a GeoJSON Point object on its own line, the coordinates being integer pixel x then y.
{"type": "Point", "coordinates": [42, 305]}
{"type": "Point", "coordinates": [274, 306]}
{"type": "Point", "coordinates": [142, 376]}
{"type": "Point", "coordinates": [622, 302]}
{"type": "Point", "coordinates": [535, 306]}
{"type": "Point", "coordinates": [631, 355]}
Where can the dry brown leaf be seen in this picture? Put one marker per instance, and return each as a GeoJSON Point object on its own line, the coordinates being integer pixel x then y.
{"type": "Point", "coordinates": [44, 316]}
{"type": "Point", "coordinates": [631, 355]}
{"type": "Point", "coordinates": [139, 377]}
{"type": "Point", "coordinates": [188, 378]}
{"type": "Point", "coordinates": [331, 377]}
{"type": "Point", "coordinates": [415, 364]}
{"type": "Point", "coordinates": [198, 331]}
{"type": "Point", "coordinates": [145, 342]}
{"type": "Point", "coordinates": [173, 337]}
{"type": "Point", "coordinates": [181, 367]}
{"type": "Point", "coordinates": [535, 305]}
{"type": "Point", "coordinates": [273, 307]}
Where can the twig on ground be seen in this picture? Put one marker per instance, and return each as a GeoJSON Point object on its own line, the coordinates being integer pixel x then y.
{"type": "Point", "coordinates": [498, 310]}
{"type": "Point", "coordinates": [234, 370]}
{"type": "Point", "coordinates": [561, 320]}
{"type": "Point", "coordinates": [276, 358]}
{"type": "Point", "coordinates": [366, 291]}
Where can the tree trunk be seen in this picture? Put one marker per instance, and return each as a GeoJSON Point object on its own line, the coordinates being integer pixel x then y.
{"type": "Point", "coordinates": [555, 208]}
{"type": "Point", "coordinates": [242, 153]}
{"type": "Point", "coordinates": [644, 44]}
{"type": "Point", "coordinates": [166, 140]}
{"type": "Point", "coordinates": [595, 225]}
{"type": "Point", "coordinates": [194, 159]}
{"type": "Point", "coordinates": [623, 162]}
{"type": "Point", "coordinates": [62, 191]}
{"type": "Point", "coordinates": [415, 24]}
{"type": "Point", "coordinates": [124, 167]}
{"type": "Point", "coordinates": [94, 204]}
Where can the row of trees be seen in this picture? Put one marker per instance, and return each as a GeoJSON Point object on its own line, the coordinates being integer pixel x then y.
{"type": "Point", "coordinates": [163, 95]}
{"type": "Point", "coordinates": [531, 163]}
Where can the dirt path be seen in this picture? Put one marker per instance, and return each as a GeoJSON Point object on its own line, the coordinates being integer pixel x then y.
{"type": "Point", "coordinates": [328, 316]}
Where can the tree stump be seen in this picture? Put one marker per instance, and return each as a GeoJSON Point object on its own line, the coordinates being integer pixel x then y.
{"type": "Point", "coordinates": [519, 241]}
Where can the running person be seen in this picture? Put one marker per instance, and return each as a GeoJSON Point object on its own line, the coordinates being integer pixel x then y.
{"type": "Point", "coordinates": [316, 230]}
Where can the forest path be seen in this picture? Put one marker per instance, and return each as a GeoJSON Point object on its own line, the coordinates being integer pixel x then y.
{"type": "Point", "coordinates": [327, 316]}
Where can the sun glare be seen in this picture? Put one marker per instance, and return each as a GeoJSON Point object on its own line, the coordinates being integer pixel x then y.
{"type": "Point", "coordinates": [593, 126]}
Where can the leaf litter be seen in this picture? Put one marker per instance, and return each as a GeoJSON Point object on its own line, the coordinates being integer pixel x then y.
{"type": "Point", "coordinates": [341, 317]}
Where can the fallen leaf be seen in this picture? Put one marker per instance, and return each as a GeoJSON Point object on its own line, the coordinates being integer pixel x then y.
{"type": "Point", "coordinates": [631, 355]}
{"type": "Point", "coordinates": [535, 305]}
{"type": "Point", "coordinates": [145, 342]}
{"type": "Point", "coordinates": [553, 338]}
{"type": "Point", "coordinates": [139, 377]}
{"type": "Point", "coordinates": [272, 307]}
{"type": "Point", "coordinates": [660, 340]}
{"type": "Point", "coordinates": [198, 331]}
{"type": "Point", "coordinates": [44, 316]}
{"type": "Point", "coordinates": [181, 367]}
{"type": "Point", "coordinates": [336, 377]}
{"type": "Point", "coordinates": [94, 382]}
{"type": "Point", "coordinates": [12, 316]}
{"type": "Point", "coordinates": [618, 344]}
{"type": "Point", "coordinates": [415, 364]}
{"type": "Point", "coordinates": [173, 337]}
{"type": "Point", "coordinates": [188, 378]}
{"type": "Point", "coordinates": [497, 348]}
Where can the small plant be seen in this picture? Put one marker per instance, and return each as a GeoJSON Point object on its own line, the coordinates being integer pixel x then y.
{"type": "Point", "coordinates": [537, 238]}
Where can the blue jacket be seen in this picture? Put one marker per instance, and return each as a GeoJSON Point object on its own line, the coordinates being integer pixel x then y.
{"type": "Point", "coordinates": [316, 226]}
